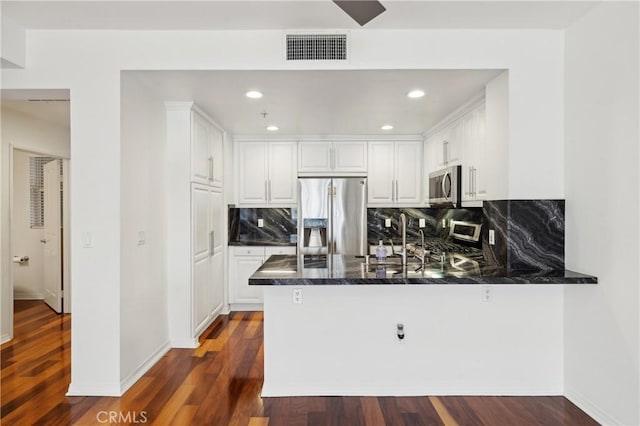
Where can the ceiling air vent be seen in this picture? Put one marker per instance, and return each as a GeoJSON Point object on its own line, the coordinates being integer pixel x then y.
{"type": "Point", "coordinates": [316, 47]}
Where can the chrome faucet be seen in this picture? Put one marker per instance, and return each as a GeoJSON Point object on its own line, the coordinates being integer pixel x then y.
{"type": "Point", "coordinates": [422, 235]}
{"type": "Point", "coordinates": [403, 222]}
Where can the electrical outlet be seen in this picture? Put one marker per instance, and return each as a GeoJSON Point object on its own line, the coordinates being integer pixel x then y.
{"type": "Point", "coordinates": [387, 223]}
{"type": "Point", "coordinates": [444, 223]}
{"type": "Point", "coordinates": [487, 293]}
{"type": "Point", "coordinates": [422, 223]}
{"type": "Point", "coordinates": [492, 237]}
{"type": "Point", "coordinates": [142, 238]}
{"type": "Point", "coordinates": [260, 223]}
{"type": "Point", "coordinates": [297, 296]}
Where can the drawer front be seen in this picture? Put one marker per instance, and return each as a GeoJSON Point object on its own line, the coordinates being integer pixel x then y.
{"type": "Point", "coordinates": [279, 250]}
{"type": "Point", "coordinates": [248, 251]}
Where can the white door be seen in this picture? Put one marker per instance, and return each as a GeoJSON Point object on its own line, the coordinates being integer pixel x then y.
{"type": "Point", "coordinates": [201, 245]}
{"type": "Point", "coordinates": [381, 183]}
{"type": "Point", "coordinates": [252, 173]}
{"type": "Point", "coordinates": [201, 159]}
{"type": "Point", "coordinates": [217, 152]}
{"type": "Point", "coordinates": [52, 237]}
{"type": "Point", "coordinates": [216, 275]}
{"type": "Point", "coordinates": [314, 157]}
{"type": "Point", "coordinates": [350, 157]}
{"type": "Point", "coordinates": [408, 172]}
{"type": "Point", "coordinates": [283, 182]}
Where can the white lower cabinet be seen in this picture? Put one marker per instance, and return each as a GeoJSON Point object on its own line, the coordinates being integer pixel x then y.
{"type": "Point", "coordinates": [207, 266]}
{"type": "Point", "coordinates": [243, 262]}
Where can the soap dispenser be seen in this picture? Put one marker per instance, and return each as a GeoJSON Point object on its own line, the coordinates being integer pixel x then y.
{"type": "Point", "coordinates": [381, 252]}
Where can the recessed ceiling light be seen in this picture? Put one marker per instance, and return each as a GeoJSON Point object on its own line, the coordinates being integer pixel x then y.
{"type": "Point", "coordinates": [273, 128]}
{"type": "Point", "coordinates": [415, 94]}
{"type": "Point", "coordinates": [387, 127]}
{"type": "Point", "coordinates": [253, 94]}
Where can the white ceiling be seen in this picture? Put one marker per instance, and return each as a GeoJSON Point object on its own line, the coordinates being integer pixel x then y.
{"type": "Point", "coordinates": [321, 102]}
{"type": "Point", "coordinates": [292, 14]}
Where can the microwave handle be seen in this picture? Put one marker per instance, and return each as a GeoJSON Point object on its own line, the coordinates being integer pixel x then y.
{"type": "Point", "coordinates": [444, 191]}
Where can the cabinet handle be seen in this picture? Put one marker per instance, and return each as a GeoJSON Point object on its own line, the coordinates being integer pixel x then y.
{"type": "Point", "coordinates": [475, 182]}
{"type": "Point", "coordinates": [211, 242]}
{"type": "Point", "coordinates": [211, 168]}
{"type": "Point", "coordinates": [269, 190]}
{"type": "Point", "coordinates": [332, 159]}
{"type": "Point", "coordinates": [397, 192]}
{"type": "Point", "coordinates": [470, 181]}
{"type": "Point", "coordinates": [266, 191]}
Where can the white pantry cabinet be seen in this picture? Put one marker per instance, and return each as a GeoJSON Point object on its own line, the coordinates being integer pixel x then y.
{"type": "Point", "coordinates": [243, 262]}
{"type": "Point", "coordinates": [194, 220]}
{"type": "Point", "coordinates": [206, 149]}
{"type": "Point", "coordinates": [332, 158]}
{"type": "Point", "coordinates": [267, 173]}
{"type": "Point", "coordinates": [207, 254]}
{"type": "Point", "coordinates": [395, 173]}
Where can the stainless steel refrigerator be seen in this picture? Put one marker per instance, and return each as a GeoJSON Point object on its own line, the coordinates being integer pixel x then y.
{"type": "Point", "coordinates": [332, 216]}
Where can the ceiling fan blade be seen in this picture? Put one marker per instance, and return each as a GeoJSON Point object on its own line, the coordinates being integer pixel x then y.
{"type": "Point", "coordinates": [361, 11]}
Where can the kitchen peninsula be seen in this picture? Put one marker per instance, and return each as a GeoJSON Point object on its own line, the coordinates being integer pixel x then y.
{"type": "Point", "coordinates": [331, 328]}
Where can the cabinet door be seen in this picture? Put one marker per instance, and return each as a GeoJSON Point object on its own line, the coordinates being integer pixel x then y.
{"type": "Point", "coordinates": [200, 249]}
{"type": "Point", "coordinates": [314, 157]}
{"type": "Point", "coordinates": [482, 167]}
{"type": "Point", "coordinates": [350, 157]}
{"type": "Point", "coordinates": [217, 159]}
{"type": "Point", "coordinates": [408, 172]}
{"type": "Point", "coordinates": [381, 185]}
{"type": "Point", "coordinates": [217, 283]}
{"type": "Point", "coordinates": [432, 160]}
{"type": "Point", "coordinates": [283, 179]}
{"type": "Point", "coordinates": [467, 156]}
{"type": "Point", "coordinates": [454, 142]}
{"type": "Point", "coordinates": [243, 268]}
{"type": "Point", "coordinates": [216, 212]}
{"type": "Point", "coordinates": [200, 149]}
{"type": "Point", "coordinates": [252, 172]}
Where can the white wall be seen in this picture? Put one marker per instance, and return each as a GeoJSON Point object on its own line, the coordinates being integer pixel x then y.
{"type": "Point", "coordinates": [497, 132]}
{"type": "Point", "coordinates": [27, 277]}
{"type": "Point", "coordinates": [89, 64]}
{"type": "Point", "coordinates": [342, 340]}
{"type": "Point", "coordinates": [143, 289]}
{"type": "Point", "coordinates": [24, 132]}
{"type": "Point", "coordinates": [602, 132]}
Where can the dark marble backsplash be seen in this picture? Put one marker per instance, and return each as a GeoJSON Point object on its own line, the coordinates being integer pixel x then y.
{"type": "Point", "coordinates": [280, 226]}
{"type": "Point", "coordinates": [434, 226]}
{"type": "Point", "coordinates": [529, 234]}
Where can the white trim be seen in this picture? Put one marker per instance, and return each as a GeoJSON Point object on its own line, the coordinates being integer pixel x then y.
{"type": "Point", "coordinates": [28, 295]}
{"type": "Point", "coordinates": [459, 112]}
{"type": "Point", "coordinates": [586, 405]}
{"type": "Point", "coordinates": [144, 367]}
{"type": "Point", "coordinates": [4, 338]}
{"type": "Point", "coordinates": [242, 307]}
{"type": "Point", "coordinates": [185, 344]}
{"type": "Point", "coordinates": [328, 138]}
{"type": "Point", "coordinates": [106, 389]}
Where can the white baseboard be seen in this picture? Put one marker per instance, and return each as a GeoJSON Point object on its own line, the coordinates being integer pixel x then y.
{"type": "Point", "coordinates": [185, 344]}
{"type": "Point", "coordinates": [144, 367]}
{"type": "Point", "coordinates": [591, 408]}
{"type": "Point", "coordinates": [106, 389]}
{"type": "Point", "coordinates": [28, 295]}
{"type": "Point", "coordinates": [246, 307]}
{"type": "Point", "coordinates": [5, 338]}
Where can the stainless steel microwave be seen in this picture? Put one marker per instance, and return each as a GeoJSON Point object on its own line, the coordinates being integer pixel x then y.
{"type": "Point", "coordinates": [445, 188]}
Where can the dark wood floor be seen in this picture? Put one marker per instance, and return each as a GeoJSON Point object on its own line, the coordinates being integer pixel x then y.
{"type": "Point", "coordinates": [219, 384]}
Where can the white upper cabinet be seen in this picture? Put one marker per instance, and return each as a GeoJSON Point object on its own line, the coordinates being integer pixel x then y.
{"type": "Point", "coordinates": [395, 173]}
{"type": "Point", "coordinates": [267, 173]}
{"type": "Point", "coordinates": [332, 158]}
{"type": "Point", "coordinates": [206, 150]}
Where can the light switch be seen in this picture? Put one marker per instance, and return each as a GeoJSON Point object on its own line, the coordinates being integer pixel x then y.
{"type": "Point", "coordinates": [444, 223]}
{"type": "Point", "coordinates": [422, 223]}
{"type": "Point", "coordinates": [142, 238]}
{"type": "Point", "coordinates": [297, 296]}
{"type": "Point", "coordinates": [86, 240]}
{"type": "Point", "coordinates": [387, 223]}
{"type": "Point", "coordinates": [260, 223]}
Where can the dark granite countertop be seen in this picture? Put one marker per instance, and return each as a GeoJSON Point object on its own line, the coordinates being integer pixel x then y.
{"type": "Point", "coordinates": [350, 270]}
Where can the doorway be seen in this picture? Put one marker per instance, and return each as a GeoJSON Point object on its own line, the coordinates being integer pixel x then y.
{"type": "Point", "coordinates": [39, 234]}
